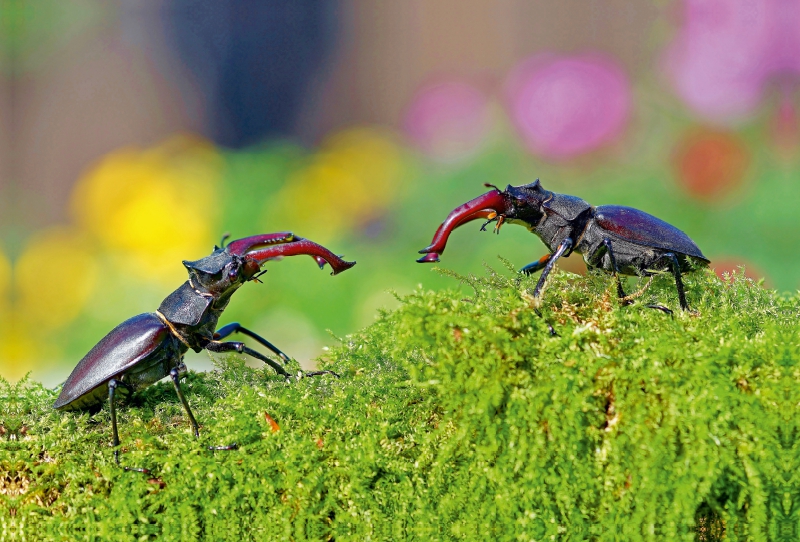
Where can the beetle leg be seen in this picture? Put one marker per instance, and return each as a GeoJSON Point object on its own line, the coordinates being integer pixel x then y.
{"type": "Point", "coordinates": [676, 271]}
{"type": "Point", "coordinates": [112, 389]}
{"type": "Point", "coordinates": [661, 308]}
{"type": "Point", "coordinates": [595, 261]}
{"type": "Point", "coordinates": [539, 264]}
{"type": "Point", "coordinates": [112, 392]}
{"type": "Point", "coordinates": [235, 326]}
{"type": "Point", "coordinates": [565, 245]}
{"type": "Point", "coordinates": [319, 373]}
{"type": "Point", "coordinates": [175, 376]}
{"type": "Point", "coordinates": [216, 346]}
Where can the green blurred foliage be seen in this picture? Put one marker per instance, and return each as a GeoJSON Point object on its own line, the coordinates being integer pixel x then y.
{"type": "Point", "coordinates": [457, 416]}
{"type": "Point", "coordinates": [31, 30]}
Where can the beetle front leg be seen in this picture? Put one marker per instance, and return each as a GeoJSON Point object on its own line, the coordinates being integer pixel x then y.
{"type": "Point", "coordinates": [235, 326]}
{"type": "Point", "coordinates": [532, 268]}
{"type": "Point", "coordinates": [216, 346]}
{"type": "Point", "coordinates": [565, 245]}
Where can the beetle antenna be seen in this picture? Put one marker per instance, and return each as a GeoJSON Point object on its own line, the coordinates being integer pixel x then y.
{"type": "Point", "coordinates": [490, 185]}
{"type": "Point", "coordinates": [224, 237]}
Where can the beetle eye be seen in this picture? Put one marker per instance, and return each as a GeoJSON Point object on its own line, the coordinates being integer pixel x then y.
{"type": "Point", "coordinates": [233, 274]}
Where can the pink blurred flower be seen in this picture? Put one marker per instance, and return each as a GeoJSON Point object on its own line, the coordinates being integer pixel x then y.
{"type": "Point", "coordinates": [726, 50]}
{"type": "Point", "coordinates": [564, 106]}
{"type": "Point", "coordinates": [448, 121]}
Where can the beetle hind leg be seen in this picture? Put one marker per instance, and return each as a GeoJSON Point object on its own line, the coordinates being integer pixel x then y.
{"type": "Point", "coordinates": [113, 384]}
{"type": "Point", "coordinates": [675, 266]}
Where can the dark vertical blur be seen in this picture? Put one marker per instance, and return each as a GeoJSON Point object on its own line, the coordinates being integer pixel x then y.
{"type": "Point", "coordinates": [254, 60]}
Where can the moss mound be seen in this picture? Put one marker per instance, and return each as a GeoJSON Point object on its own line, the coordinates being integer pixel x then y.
{"type": "Point", "coordinates": [456, 417]}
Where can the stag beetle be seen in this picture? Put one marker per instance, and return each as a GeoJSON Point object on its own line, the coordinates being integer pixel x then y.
{"type": "Point", "coordinates": [616, 239]}
{"type": "Point", "coordinates": [150, 346]}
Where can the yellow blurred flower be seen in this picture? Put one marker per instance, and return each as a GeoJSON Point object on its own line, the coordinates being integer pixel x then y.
{"type": "Point", "coordinates": [53, 277]}
{"type": "Point", "coordinates": [353, 178]}
{"type": "Point", "coordinates": [153, 207]}
{"type": "Point", "coordinates": [52, 281]}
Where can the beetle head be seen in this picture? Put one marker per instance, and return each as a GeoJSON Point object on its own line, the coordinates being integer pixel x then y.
{"type": "Point", "coordinates": [524, 203]}
{"type": "Point", "coordinates": [221, 272]}
{"type": "Point", "coordinates": [516, 204]}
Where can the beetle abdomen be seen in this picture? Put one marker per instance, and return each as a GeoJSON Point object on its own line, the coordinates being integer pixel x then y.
{"type": "Point", "coordinates": [644, 229]}
{"type": "Point", "coordinates": [129, 343]}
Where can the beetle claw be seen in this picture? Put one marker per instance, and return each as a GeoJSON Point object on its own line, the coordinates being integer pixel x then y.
{"type": "Point", "coordinates": [661, 308]}
{"type": "Point", "coordinates": [430, 257]}
{"type": "Point", "coordinates": [319, 373]}
{"type": "Point", "coordinates": [137, 469]}
{"type": "Point", "coordinates": [233, 446]}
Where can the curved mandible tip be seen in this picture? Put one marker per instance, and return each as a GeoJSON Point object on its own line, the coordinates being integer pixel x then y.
{"type": "Point", "coordinates": [262, 252]}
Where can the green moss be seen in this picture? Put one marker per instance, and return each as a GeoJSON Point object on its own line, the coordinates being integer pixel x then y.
{"type": "Point", "coordinates": [455, 418]}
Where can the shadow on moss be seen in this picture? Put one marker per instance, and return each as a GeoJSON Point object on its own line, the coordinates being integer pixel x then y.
{"type": "Point", "coordinates": [455, 418]}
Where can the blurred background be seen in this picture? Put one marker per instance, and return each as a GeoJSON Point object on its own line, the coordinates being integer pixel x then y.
{"type": "Point", "coordinates": [134, 133]}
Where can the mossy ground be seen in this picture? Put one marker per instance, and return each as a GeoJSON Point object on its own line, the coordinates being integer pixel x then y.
{"type": "Point", "coordinates": [457, 416]}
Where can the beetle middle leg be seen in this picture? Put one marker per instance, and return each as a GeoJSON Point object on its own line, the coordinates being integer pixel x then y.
{"type": "Point", "coordinates": [675, 268]}
{"type": "Point", "coordinates": [175, 375]}
{"type": "Point", "coordinates": [596, 259]}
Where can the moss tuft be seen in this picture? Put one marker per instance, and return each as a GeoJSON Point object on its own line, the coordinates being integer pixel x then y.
{"type": "Point", "coordinates": [456, 417]}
